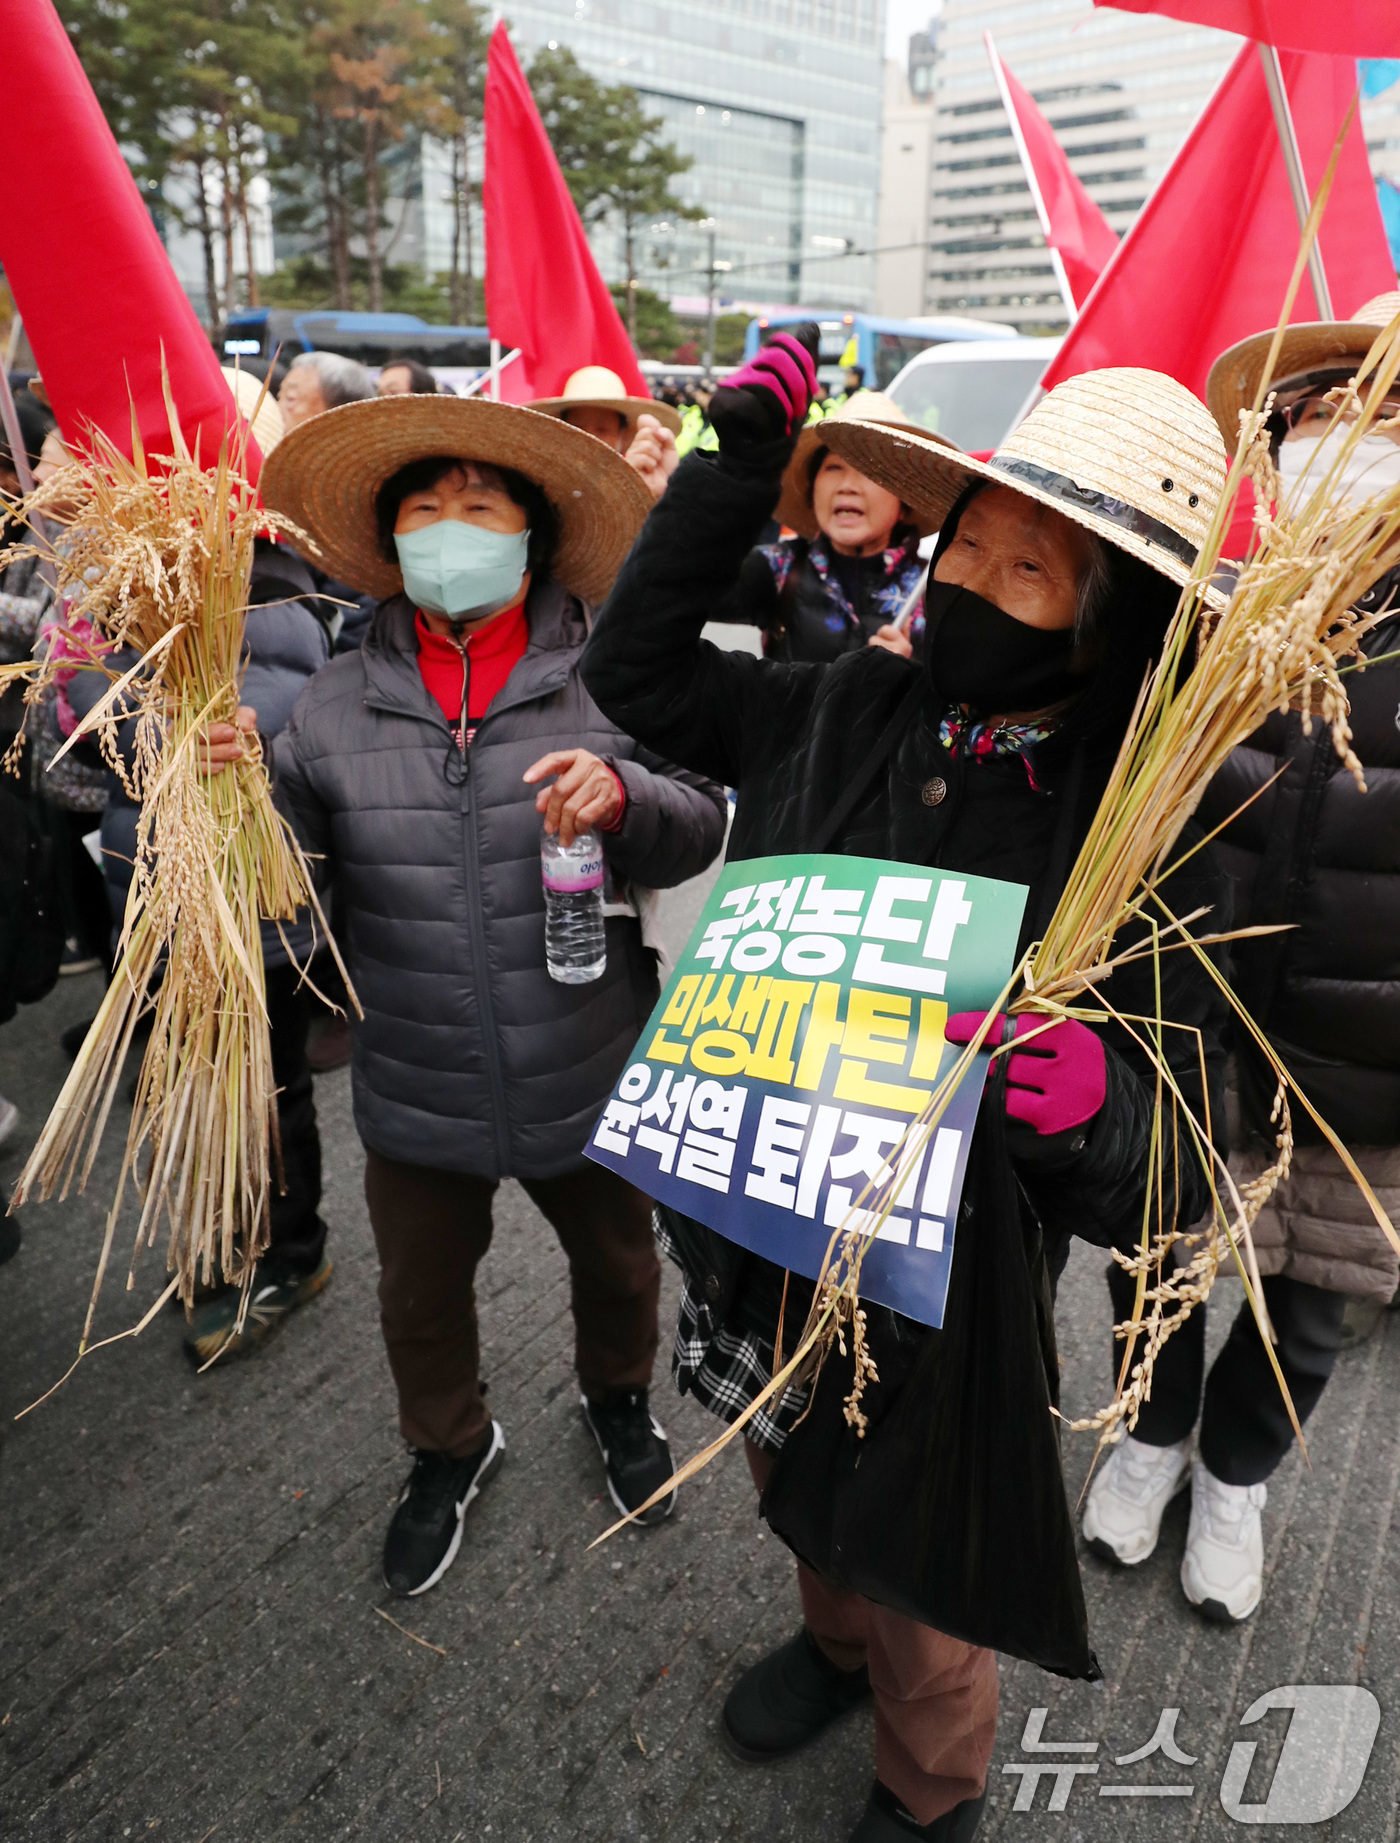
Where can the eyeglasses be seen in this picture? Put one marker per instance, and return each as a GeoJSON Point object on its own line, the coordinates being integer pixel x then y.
{"type": "Point", "coordinates": [1305, 399]}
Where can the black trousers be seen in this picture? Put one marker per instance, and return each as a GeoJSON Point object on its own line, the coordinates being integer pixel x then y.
{"type": "Point", "coordinates": [81, 887]}
{"type": "Point", "coordinates": [298, 1233]}
{"type": "Point", "coordinates": [1245, 1429]}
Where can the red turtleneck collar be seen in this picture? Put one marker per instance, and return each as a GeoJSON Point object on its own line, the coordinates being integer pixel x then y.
{"type": "Point", "coordinates": [492, 652]}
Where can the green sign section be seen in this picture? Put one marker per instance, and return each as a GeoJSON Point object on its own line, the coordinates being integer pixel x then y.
{"type": "Point", "coordinates": [800, 1035]}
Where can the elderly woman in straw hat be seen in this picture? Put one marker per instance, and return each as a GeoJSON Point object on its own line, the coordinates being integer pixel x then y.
{"type": "Point", "coordinates": [413, 769]}
{"type": "Point", "coordinates": [1058, 566]}
{"type": "Point", "coordinates": [641, 429]}
{"type": "Point", "coordinates": [851, 576]}
{"type": "Point", "coordinates": [1306, 848]}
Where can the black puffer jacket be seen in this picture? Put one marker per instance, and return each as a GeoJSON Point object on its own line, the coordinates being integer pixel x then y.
{"type": "Point", "coordinates": [791, 737]}
{"type": "Point", "coordinates": [1314, 851]}
{"type": "Point", "coordinates": [470, 1057]}
{"type": "Point", "coordinates": [815, 606]}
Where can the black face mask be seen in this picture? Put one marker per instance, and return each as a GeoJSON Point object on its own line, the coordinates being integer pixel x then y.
{"type": "Point", "coordinates": [980, 656]}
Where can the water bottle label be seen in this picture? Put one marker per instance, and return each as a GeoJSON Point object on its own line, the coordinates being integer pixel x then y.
{"type": "Point", "coordinates": [568, 876]}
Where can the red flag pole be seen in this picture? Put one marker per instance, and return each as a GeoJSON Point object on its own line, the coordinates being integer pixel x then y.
{"type": "Point", "coordinates": [1057, 261]}
{"type": "Point", "coordinates": [1293, 165]}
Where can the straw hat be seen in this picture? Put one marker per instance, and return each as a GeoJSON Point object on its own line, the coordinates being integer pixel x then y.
{"type": "Point", "coordinates": [795, 504]}
{"type": "Point", "coordinates": [326, 472]}
{"type": "Point", "coordinates": [1316, 345]}
{"type": "Point", "coordinates": [258, 410]}
{"type": "Point", "coordinates": [597, 388]}
{"type": "Point", "coordinates": [1131, 455]}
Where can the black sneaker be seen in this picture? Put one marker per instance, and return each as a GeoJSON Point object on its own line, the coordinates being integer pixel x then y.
{"type": "Point", "coordinates": [887, 1821]}
{"type": "Point", "coordinates": [636, 1456]}
{"type": "Point", "coordinates": [426, 1529]}
{"type": "Point", "coordinates": [787, 1698]}
{"type": "Point", "coordinates": [210, 1332]}
{"type": "Point", "coordinates": [76, 959]}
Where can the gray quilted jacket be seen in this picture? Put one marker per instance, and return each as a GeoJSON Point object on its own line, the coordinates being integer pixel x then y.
{"type": "Point", "coordinates": [470, 1057]}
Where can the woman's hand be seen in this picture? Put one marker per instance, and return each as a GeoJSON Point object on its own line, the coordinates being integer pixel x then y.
{"type": "Point", "coordinates": [653, 454]}
{"type": "Point", "coordinates": [223, 742]}
{"type": "Point", "coordinates": [894, 640]}
{"type": "Point", "coordinates": [586, 797]}
{"type": "Point", "coordinates": [1055, 1085]}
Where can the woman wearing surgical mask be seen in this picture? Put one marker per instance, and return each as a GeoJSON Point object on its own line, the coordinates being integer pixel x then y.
{"type": "Point", "coordinates": [419, 771]}
{"type": "Point", "coordinates": [1307, 850]}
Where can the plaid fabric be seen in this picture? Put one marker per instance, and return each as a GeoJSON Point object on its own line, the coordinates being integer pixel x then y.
{"type": "Point", "coordinates": [725, 1370]}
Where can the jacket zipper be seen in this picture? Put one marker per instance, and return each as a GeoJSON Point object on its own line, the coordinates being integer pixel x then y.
{"type": "Point", "coordinates": [476, 925]}
{"type": "Point", "coordinates": [481, 968]}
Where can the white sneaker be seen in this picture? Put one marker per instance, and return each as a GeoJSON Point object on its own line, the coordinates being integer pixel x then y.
{"type": "Point", "coordinates": [1222, 1571]}
{"type": "Point", "coordinates": [1131, 1490]}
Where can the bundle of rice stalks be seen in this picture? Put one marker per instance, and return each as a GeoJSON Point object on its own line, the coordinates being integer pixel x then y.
{"type": "Point", "coordinates": [157, 558]}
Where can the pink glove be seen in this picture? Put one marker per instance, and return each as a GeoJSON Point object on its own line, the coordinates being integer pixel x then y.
{"type": "Point", "coordinates": [1057, 1082]}
{"type": "Point", "coordinates": [784, 368]}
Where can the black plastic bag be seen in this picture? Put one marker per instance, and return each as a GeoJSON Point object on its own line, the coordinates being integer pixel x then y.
{"type": "Point", "coordinates": [952, 1509]}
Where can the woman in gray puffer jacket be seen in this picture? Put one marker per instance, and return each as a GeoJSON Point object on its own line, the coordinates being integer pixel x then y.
{"type": "Point", "coordinates": [410, 769]}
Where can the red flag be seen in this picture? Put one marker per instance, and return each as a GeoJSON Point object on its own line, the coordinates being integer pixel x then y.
{"type": "Point", "coordinates": [543, 290]}
{"type": "Point", "coordinates": [1074, 226]}
{"type": "Point", "coordinates": [1355, 28]}
{"type": "Point", "coordinates": [1208, 261]}
{"type": "Point", "coordinates": [85, 264]}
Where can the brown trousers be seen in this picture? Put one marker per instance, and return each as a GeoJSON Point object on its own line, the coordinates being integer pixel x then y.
{"type": "Point", "coordinates": [432, 1228]}
{"type": "Point", "coordinates": [935, 1697]}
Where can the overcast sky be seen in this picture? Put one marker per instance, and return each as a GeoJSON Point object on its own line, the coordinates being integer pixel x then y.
{"type": "Point", "coordinates": [902, 18]}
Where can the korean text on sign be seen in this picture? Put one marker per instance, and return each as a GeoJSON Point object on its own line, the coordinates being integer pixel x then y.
{"type": "Point", "coordinates": [794, 1048]}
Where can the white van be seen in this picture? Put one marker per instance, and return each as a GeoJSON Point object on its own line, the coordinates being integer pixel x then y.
{"type": "Point", "coordinates": [976, 392]}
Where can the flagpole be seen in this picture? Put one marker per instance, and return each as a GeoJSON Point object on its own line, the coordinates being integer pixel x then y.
{"type": "Point", "coordinates": [1056, 260]}
{"type": "Point", "coordinates": [1293, 165]}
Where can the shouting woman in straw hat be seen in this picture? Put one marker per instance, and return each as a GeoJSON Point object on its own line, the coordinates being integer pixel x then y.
{"type": "Point", "coordinates": [641, 429]}
{"type": "Point", "coordinates": [1306, 848]}
{"type": "Point", "coordinates": [852, 575]}
{"type": "Point", "coordinates": [1056, 572]}
{"type": "Point", "coordinates": [412, 769]}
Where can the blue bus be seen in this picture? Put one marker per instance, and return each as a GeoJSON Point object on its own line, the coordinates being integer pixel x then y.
{"type": "Point", "coordinates": [258, 332]}
{"type": "Point", "coordinates": [879, 346]}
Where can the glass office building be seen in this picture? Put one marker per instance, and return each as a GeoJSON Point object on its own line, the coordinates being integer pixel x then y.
{"type": "Point", "coordinates": [778, 103]}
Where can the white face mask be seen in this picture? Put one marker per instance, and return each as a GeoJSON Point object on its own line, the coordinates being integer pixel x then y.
{"type": "Point", "coordinates": [1372, 467]}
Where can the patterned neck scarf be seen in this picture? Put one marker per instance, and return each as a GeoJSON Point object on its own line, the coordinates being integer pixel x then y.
{"type": "Point", "coordinates": [976, 741]}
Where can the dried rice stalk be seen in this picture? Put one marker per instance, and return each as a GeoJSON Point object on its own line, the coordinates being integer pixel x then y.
{"type": "Point", "coordinates": [158, 559]}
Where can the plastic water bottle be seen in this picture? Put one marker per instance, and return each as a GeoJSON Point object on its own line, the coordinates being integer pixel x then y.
{"type": "Point", "coordinates": [575, 942]}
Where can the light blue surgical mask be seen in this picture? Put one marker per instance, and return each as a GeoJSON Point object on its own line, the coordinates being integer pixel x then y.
{"type": "Point", "coordinates": [461, 570]}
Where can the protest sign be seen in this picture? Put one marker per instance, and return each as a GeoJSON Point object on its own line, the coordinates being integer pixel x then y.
{"type": "Point", "coordinates": [796, 1043]}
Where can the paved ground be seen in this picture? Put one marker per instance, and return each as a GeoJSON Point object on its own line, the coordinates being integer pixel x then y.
{"type": "Point", "coordinates": [190, 1632]}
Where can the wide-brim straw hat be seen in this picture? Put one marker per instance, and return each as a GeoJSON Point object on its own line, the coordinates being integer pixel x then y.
{"type": "Point", "coordinates": [596, 388]}
{"type": "Point", "coordinates": [257, 406]}
{"type": "Point", "coordinates": [1130, 455]}
{"type": "Point", "coordinates": [795, 502]}
{"type": "Point", "coordinates": [326, 473]}
{"type": "Point", "coordinates": [1315, 345]}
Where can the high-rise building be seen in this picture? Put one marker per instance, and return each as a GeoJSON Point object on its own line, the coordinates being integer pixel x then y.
{"type": "Point", "coordinates": [1121, 91]}
{"type": "Point", "coordinates": [906, 168]}
{"type": "Point", "coordinates": [778, 103]}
